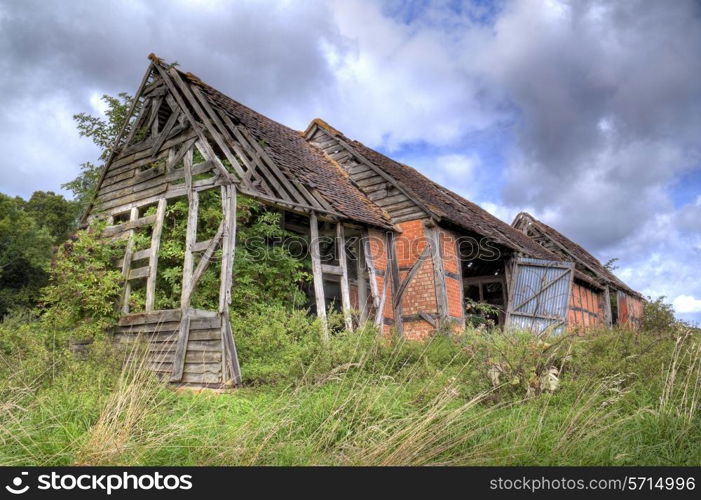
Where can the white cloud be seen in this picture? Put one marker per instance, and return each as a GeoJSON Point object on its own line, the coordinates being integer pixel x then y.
{"type": "Point", "coordinates": [687, 304]}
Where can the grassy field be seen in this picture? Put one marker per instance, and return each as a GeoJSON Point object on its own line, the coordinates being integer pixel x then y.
{"type": "Point", "coordinates": [483, 398]}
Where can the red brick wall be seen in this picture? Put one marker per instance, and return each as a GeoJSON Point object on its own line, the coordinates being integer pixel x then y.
{"type": "Point", "coordinates": [420, 294]}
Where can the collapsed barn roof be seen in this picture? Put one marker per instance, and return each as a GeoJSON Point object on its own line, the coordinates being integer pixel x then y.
{"type": "Point", "coordinates": [298, 159]}
{"type": "Point", "coordinates": [558, 242]}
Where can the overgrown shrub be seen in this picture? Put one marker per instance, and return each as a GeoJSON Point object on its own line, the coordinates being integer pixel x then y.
{"type": "Point", "coordinates": [658, 316]}
{"type": "Point", "coordinates": [85, 287]}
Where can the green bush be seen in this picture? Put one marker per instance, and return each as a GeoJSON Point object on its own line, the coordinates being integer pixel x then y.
{"type": "Point", "coordinates": [85, 286]}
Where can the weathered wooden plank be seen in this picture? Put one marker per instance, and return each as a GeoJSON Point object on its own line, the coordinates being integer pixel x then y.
{"type": "Point", "coordinates": [155, 177]}
{"type": "Point", "coordinates": [129, 225]}
{"type": "Point", "coordinates": [380, 172]}
{"type": "Point", "coordinates": [372, 274]}
{"type": "Point", "coordinates": [361, 282]}
{"type": "Point", "coordinates": [172, 336]}
{"type": "Point", "coordinates": [288, 205]}
{"type": "Point", "coordinates": [201, 246]}
{"type": "Point", "coordinates": [214, 368]}
{"type": "Point", "coordinates": [411, 216]}
{"type": "Point", "coordinates": [428, 319]}
{"type": "Point", "coordinates": [136, 256]}
{"type": "Point", "coordinates": [182, 150]}
{"type": "Point", "coordinates": [187, 92]}
{"type": "Point", "coordinates": [172, 192]}
{"type": "Point", "coordinates": [438, 272]}
{"type": "Point", "coordinates": [153, 255]}
{"type": "Point", "coordinates": [133, 167]}
{"type": "Point", "coordinates": [329, 269]}
{"type": "Point", "coordinates": [364, 175]}
{"type": "Point", "coordinates": [345, 289]}
{"type": "Point", "coordinates": [184, 108]}
{"type": "Point", "coordinates": [219, 129]}
{"type": "Point", "coordinates": [292, 192]}
{"type": "Point", "coordinates": [118, 177]}
{"type": "Point", "coordinates": [411, 212]}
{"type": "Point", "coordinates": [318, 276]}
{"type": "Point", "coordinates": [190, 357]}
{"type": "Point", "coordinates": [393, 268]}
{"type": "Point", "coordinates": [138, 273]}
{"type": "Point", "coordinates": [190, 233]}
{"type": "Point", "coordinates": [389, 200]}
{"type": "Point", "coordinates": [358, 169]}
{"type": "Point", "coordinates": [163, 134]}
{"type": "Point", "coordinates": [181, 347]}
{"type": "Point", "coordinates": [376, 191]}
{"type": "Point", "coordinates": [380, 311]}
{"type": "Point", "coordinates": [206, 257]}
{"type": "Point", "coordinates": [370, 181]}
{"type": "Point", "coordinates": [392, 207]}
{"type": "Point", "coordinates": [230, 357]}
{"type": "Point", "coordinates": [126, 262]}
{"type": "Point", "coordinates": [608, 315]}
{"type": "Point", "coordinates": [134, 197]}
{"type": "Point", "coordinates": [340, 156]}
{"type": "Point", "coordinates": [177, 136]}
{"type": "Point", "coordinates": [228, 240]}
{"type": "Point", "coordinates": [201, 378]}
{"type": "Point", "coordinates": [163, 316]}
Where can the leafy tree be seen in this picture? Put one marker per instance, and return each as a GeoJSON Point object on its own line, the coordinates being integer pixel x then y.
{"type": "Point", "coordinates": [611, 264]}
{"type": "Point", "coordinates": [25, 254]}
{"type": "Point", "coordinates": [103, 132]}
{"type": "Point", "coordinates": [53, 212]}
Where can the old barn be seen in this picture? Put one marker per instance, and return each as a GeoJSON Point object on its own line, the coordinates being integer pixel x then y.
{"type": "Point", "coordinates": [407, 252]}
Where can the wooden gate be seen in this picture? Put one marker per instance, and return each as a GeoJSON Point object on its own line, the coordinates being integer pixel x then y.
{"type": "Point", "coordinates": [539, 295]}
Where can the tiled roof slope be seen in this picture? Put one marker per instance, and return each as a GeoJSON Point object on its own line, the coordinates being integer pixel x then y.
{"type": "Point", "coordinates": [575, 250]}
{"type": "Point", "coordinates": [444, 204]}
{"type": "Point", "coordinates": [298, 159]}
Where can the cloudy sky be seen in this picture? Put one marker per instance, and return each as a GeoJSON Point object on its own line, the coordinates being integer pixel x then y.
{"type": "Point", "coordinates": [585, 113]}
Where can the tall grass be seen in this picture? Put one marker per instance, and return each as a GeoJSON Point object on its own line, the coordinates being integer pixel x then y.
{"type": "Point", "coordinates": [622, 399]}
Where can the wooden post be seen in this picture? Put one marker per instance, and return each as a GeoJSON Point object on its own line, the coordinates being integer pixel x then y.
{"type": "Point", "coordinates": [461, 285]}
{"type": "Point", "coordinates": [230, 361]}
{"type": "Point", "coordinates": [181, 347]}
{"type": "Point", "coordinates": [608, 314]}
{"type": "Point", "coordinates": [190, 235]}
{"type": "Point", "coordinates": [361, 283]}
{"type": "Point", "coordinates": [438, 273]}
{"type": "Point", "coordinates": [345, 289]}
{"type": "Point", "coordinates": [393, 271]}
{"type": "Point", "coordinates": [188, 264]}
{"type": "Point", "coordinates": [380, 311]}
{"type": "Point", "coordinates": [153, 254]}
{"type": "Point", "coordinates": [126, 264]}
{"type": "Point", "coordinates": [318, 276]}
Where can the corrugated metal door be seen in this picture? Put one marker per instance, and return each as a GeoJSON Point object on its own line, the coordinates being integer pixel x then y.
{"type": "Point", "coordinates": [539, 295]}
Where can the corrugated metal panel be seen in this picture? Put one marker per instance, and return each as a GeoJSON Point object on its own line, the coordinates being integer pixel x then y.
{"type": "Point", "coordinates": [539, 295]}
